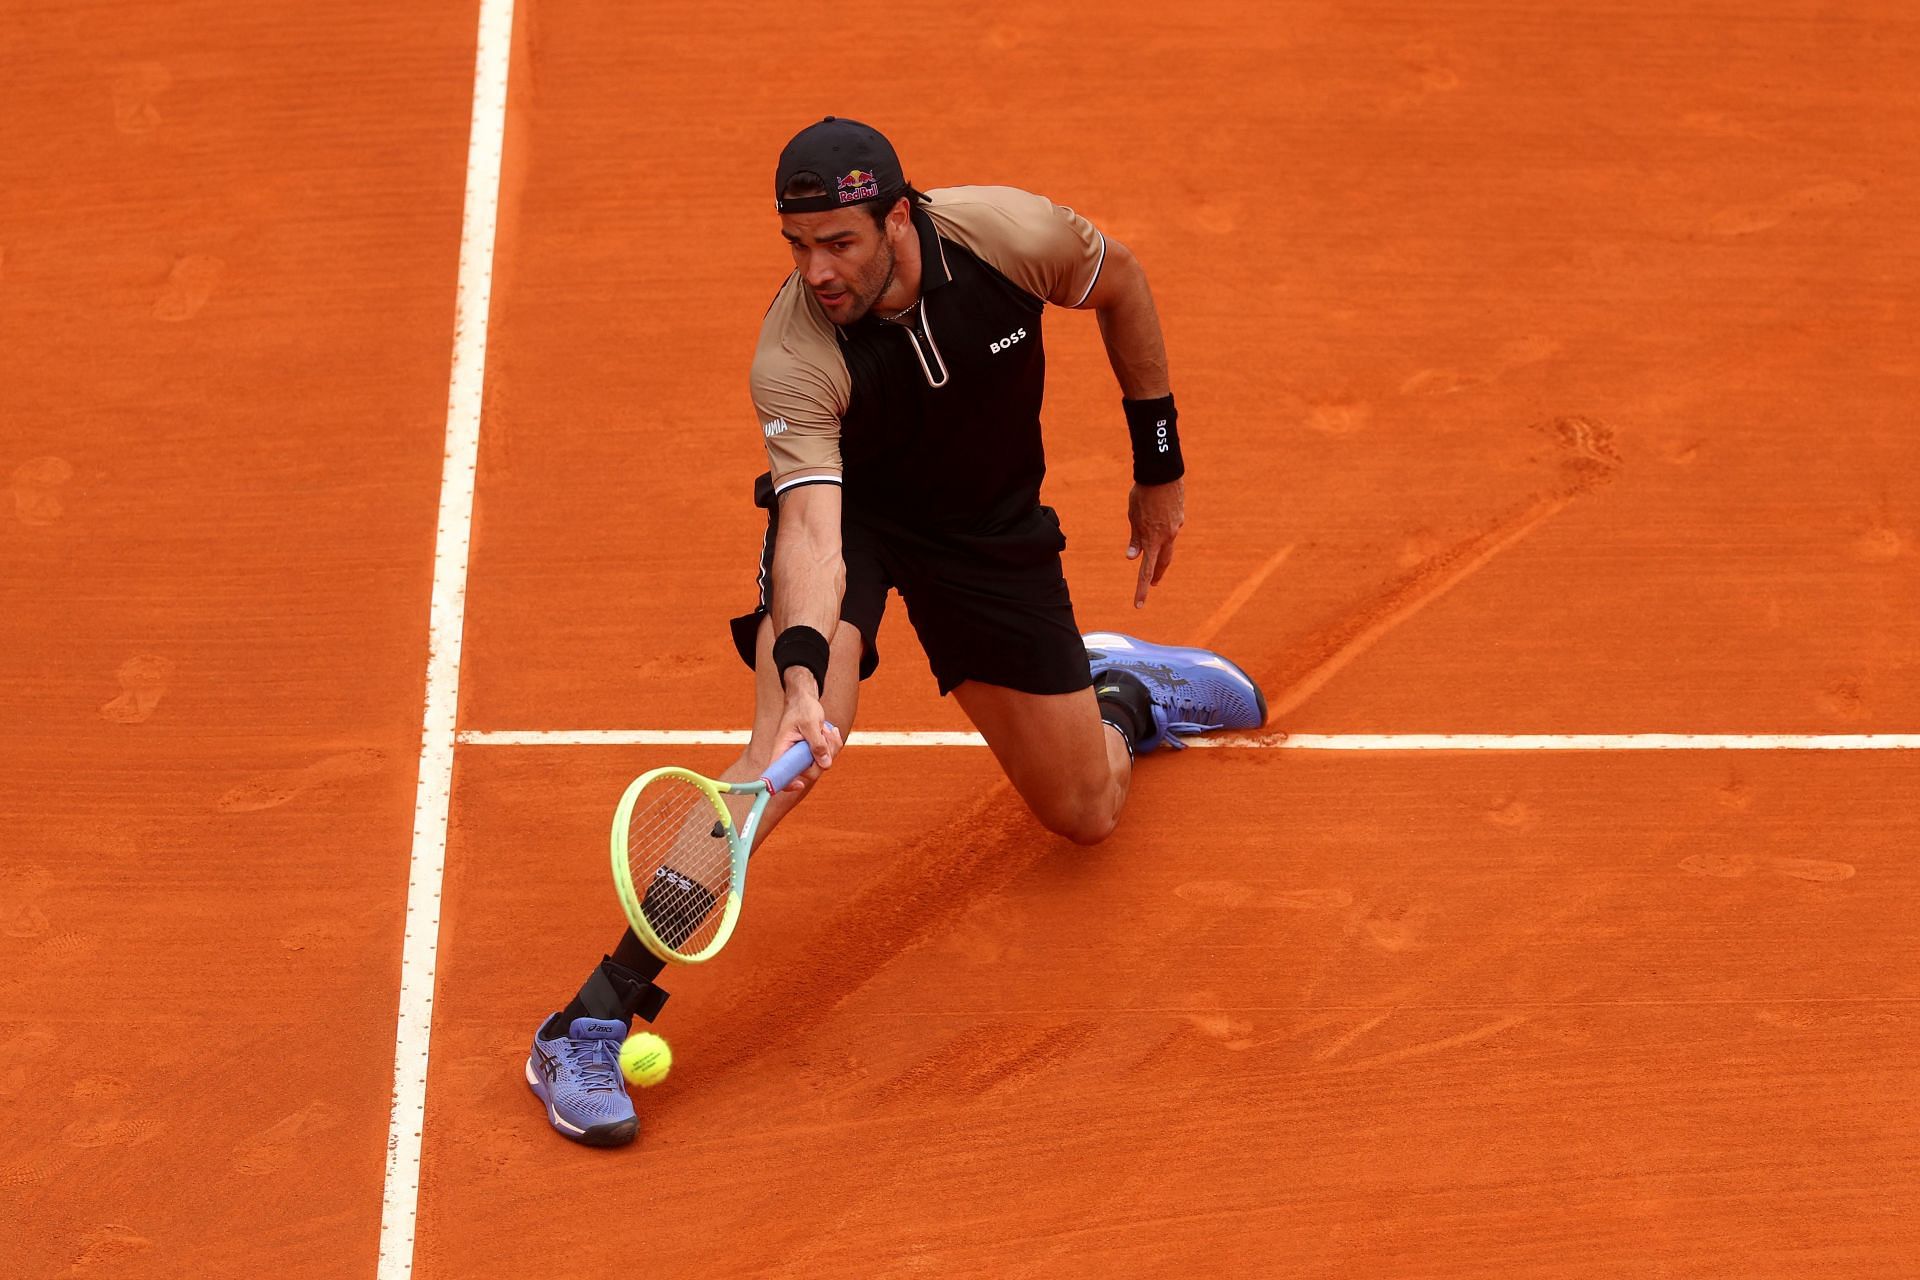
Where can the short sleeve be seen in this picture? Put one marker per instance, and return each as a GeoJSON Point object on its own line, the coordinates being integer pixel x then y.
{"type": "Point", "coordinates": [1045, 248]}
{"type": "Point", "coordinates": [800, 390]}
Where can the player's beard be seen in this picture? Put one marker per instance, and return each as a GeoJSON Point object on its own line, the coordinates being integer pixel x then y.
{"type": "Point", "coordinates": [875, 279]}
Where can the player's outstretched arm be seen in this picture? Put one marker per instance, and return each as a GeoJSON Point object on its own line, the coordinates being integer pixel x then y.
{"type": "Point", "coordinates": [809, 578]}
{"type": "Point", "coordinates": [1130, 328]}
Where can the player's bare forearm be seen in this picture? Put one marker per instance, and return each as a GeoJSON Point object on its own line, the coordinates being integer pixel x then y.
{"type": "Point", "coordinates": [1130, 326]}
{"type": "Point", "coordinates": [809, 578]}
{"type": "Point", "coordinates": [808, 573]}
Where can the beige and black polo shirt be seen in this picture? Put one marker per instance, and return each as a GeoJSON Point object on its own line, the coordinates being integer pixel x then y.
{"type": "Point", "coordinates": [936, 425]}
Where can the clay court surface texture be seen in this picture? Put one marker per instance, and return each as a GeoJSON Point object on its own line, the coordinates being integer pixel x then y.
{"type": "Point", "coordinates": [1544, 369]}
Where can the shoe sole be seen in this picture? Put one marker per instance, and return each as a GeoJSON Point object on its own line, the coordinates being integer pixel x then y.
{"type": "Point", "coordinates": [617, 1134]}
{"type": "Point", "coordinates": [1259, 694]}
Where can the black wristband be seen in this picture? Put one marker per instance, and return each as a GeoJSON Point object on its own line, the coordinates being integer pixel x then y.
{"type": "Point", "coordinates": [1154, 426]}
{"type": "Point", "coordinates": [802, 647]}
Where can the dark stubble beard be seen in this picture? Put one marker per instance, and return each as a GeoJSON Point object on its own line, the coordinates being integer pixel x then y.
{"type": "Point", "coordinates": [876, 268]}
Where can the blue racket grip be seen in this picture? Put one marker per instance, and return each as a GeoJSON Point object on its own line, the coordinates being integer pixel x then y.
{"type": "Point", "coordinates": [796, 761]}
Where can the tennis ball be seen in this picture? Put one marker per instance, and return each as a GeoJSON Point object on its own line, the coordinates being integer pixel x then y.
{"type": "Point", "coordinates": [645, 1059]}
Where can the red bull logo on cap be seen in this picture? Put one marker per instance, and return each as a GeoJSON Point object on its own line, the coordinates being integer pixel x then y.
{"type": "Point", "coordinates": [860, 184]}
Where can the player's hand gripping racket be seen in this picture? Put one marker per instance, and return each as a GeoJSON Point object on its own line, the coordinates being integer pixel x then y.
{"type": "Point", "coordinates": [680, 863]}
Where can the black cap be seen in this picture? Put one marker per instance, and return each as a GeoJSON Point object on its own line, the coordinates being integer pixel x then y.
{"type": "Point", "coordinates": [855, 161]}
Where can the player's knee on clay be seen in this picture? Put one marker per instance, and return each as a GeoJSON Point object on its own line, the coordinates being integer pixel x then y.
{"type": "Point", "coordinates": [1086, 828]}
{"type": "Point", "coordinates": [1085, 815]}
{"type": "Point", "coordinates": [1092, 829]}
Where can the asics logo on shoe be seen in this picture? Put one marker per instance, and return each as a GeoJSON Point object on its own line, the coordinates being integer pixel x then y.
{"type": "Point", "coordinates": [549, 1065]}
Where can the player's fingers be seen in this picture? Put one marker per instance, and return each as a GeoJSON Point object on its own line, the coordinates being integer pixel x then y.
{"type": "Point", "coordinates": [787, 741]}
{"type": "Point", "coordinates": [825, 742]}
{"type": "Point", "coordinates": [784, 740]}
{"type": "Point", "coordinates": [1146, 577]}
{"type": "Point", "coordinates": [1166, 558]}
{"type": "Point", "coordinates": [814, 733]}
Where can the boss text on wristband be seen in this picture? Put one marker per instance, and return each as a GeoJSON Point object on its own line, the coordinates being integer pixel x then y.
{"type": "Point", "coordinates": [1154, 426]}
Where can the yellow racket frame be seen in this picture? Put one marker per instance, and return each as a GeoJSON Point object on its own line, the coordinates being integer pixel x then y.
{"type": "Point", "coordinates": [623, 869]}
{"type": "Point", "coordinates": [791, 764]}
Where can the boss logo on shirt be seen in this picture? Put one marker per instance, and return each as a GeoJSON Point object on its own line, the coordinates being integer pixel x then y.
{"type": "Point", "coordinates": [997, 347]}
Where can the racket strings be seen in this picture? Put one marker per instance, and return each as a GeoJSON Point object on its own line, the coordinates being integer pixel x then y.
{"type": "Point", "coordinates": [681, 862]}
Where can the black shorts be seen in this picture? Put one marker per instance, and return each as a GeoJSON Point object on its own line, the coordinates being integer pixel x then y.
{"type": "Point", "coordinates": [990, 606]}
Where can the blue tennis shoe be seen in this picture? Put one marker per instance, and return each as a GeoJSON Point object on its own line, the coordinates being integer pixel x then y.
{"type": "Point", "coordinates": [578, 1077]}
{"type": "Point", "coordinates": [1192, 690]}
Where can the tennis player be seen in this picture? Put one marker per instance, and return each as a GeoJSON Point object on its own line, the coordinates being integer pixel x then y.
{"type": "Point", "coordinates": [898, 385]}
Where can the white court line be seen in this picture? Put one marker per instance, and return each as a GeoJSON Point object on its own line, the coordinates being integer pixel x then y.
{"type": "Point", "coordinates": [1251, 742]}
{"type": "Point", "coordinates": [400, 1194]}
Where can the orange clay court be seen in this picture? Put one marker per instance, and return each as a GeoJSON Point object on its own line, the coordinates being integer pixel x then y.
{"type": "Point", "coordinates": [1546, 370]}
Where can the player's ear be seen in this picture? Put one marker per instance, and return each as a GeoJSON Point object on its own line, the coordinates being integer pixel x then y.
{"type": "Point", "coordinates": [899, 218]}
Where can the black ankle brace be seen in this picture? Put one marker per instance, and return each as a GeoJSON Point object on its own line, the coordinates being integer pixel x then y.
{"type": "Point", "coordinates": [617, 992]}
{"type": "Point", "coordinates": [1126, 705]}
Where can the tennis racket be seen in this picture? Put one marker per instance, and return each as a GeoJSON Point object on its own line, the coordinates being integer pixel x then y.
{"type": "Point", "coordinates": [680, 860]}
